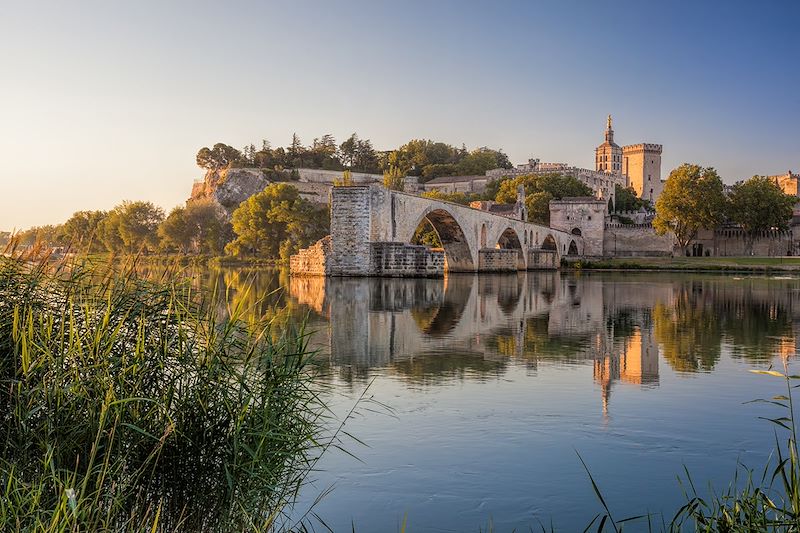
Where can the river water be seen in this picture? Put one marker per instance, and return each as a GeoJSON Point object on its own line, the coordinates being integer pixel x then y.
{"type": "Point", "coordinates": [483, 390]}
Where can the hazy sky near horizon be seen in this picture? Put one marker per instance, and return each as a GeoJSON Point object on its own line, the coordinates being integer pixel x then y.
{"type": "Point", "coordinates": [102, 101]}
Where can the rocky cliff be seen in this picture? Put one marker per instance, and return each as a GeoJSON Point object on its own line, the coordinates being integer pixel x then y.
{"type": "Point", "coordinates": [230, 187]}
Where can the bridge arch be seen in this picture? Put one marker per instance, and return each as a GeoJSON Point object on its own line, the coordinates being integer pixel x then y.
{"type": "Point", "coordinates": [509, 240]}
{"type": "Point", "coordinates": [549, 243]}
{"type": "Point", "coordinates": [573, 248]}
{"type": "Point", "coordinates": [457, 253]}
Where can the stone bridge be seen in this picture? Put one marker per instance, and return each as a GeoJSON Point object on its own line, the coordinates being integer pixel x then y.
{"type": "Point", "coordinates": [372, 228]}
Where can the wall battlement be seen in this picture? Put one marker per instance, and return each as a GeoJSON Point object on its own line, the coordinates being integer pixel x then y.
{"type": "Point", "coordinates": [643, 147]}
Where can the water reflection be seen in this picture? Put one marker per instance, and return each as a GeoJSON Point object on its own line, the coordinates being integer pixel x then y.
{"type": "Point", "coordinates": [472, 327]}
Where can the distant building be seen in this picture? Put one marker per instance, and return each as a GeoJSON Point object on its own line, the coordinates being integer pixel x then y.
{"type": "Point", "coordinates": [788, 182]}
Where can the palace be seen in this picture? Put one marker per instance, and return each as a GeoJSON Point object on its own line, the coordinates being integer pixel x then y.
{"type": "Point", "coordinates": [639, 164]}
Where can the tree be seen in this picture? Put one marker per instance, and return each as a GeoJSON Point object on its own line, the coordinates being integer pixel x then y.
{"type": "Point", "coordinates": [394, 179]}
{"type": "Point", "coordinates": [81, 230]}
{"type": "Point", "coordinates": [295, 152]}
{"type": "Point", "coordinates": [348, 150]}
{"type": "Point", "coordinates": [218, 157]}
{"type": "Point", "coordinates": [275, 221]}
{"type": "Point", "coordinates": [627, 200]}
{"type": "Point", "coordinates": [539, 190]}
{"type": "Point", "coordinates": [131, 227]}
{"type": "Point", "coordinates": [538, 207]}
{"type": "Point", "coordinates": [199, 227]}
{"type": "Point", "coordinates": [692, 199]}
{"type": "Point", "coordinates": [758, 205]}
{"type": "Point", "coordinates": [482, 159]}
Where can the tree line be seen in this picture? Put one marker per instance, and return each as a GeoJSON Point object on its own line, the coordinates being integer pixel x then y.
{"type": "Point", "coordinates": [423, 158]}
{"type": "Point", "coordinates": [272, 224]}
{"type": "Point", "coordinates": [695, 198]}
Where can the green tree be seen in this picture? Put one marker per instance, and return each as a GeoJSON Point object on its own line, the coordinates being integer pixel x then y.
{"type": "Point", "coordinates": [295, 152]}
{"type": "Point", "coordinates": [482, 159]}
{"type": "Point", "coordinates": [538, 207]}
{"type": "Point", "coordinates": [394, 179]}
{"type": "Point", "coordinates": [348, 149]}
{"type": "Point", "coordinates": [81, 231]}
{"type": "Point", "coordinates": [276, 221]}
{"type": "Point", "coordinates": [219, 157]}
{"type": "Point", "coordinates": [199, 227]}
{"type": "Point", "coordinates": [627, 200]}
{"type": "Point", "coordinates": [758, 205]}
{"type": "Point", "coordinates": [539, 190]}
{"type": "Point", "coordinates": [692, 199]}
{"type": "Point", "coordinates": [138, 224]}
{"type": "Point", "coordinates": [108, 232]}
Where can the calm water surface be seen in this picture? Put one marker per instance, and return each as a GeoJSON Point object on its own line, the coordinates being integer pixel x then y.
{"type": "Point", "coordinates": [494, 384]}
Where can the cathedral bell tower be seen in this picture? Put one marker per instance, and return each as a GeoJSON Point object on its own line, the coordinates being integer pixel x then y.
{"type": "Point", "coordinates": [608, 156]}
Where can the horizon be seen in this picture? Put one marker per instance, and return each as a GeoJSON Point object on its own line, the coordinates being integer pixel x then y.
{"type": "Point", "coordinates": [109, 103]}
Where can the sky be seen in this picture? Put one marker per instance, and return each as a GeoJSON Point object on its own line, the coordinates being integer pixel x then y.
{"type": "Point", "coordinates": [104, 101]}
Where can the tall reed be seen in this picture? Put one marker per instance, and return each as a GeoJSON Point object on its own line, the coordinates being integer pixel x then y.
{"type": "Point", "coordinates": [132, 405]}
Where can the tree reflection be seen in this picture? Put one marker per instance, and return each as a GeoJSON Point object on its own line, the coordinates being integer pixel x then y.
{"type": "Point", "coordinates": [688, 332]}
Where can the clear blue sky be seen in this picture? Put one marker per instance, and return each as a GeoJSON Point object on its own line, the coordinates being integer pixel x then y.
{"type": "Point", "coordinates": [104, 101]}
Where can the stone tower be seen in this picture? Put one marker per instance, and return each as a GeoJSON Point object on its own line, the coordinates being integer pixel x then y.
{"type": "Point", "coordinates": [641, 165]}
{"type": "Point", "coordinates": [608, 156]}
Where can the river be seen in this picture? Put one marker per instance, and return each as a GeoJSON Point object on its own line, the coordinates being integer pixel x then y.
{"type": "Point", "coordinates": [483, 390]}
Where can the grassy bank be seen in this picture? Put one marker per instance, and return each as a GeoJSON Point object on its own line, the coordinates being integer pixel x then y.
{"type": "Point", "coordinates": [128, 405]}
{"type": "Point", "coordinates": [691, 264]}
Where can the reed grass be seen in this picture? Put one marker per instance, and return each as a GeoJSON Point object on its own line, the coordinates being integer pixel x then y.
{"type": "Point", "coordinates": [132, 405]}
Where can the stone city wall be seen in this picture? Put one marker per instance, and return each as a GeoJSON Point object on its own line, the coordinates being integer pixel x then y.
{"type": "Point", "coordinates": [735, 242]}
{"type": "Point", "coordinates": [317, 175]}
{"type": "Point", "coordinates": [635, 240]}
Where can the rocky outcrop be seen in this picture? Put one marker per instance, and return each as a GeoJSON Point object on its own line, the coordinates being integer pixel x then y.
{"type": "Point", "coordinates": [230, 187]}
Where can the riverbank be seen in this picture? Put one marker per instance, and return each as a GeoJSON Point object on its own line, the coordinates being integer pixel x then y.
{"type": "Point", "coordinates": [184, 260]}
{"type": "Point", "coordinates": [691, 264]}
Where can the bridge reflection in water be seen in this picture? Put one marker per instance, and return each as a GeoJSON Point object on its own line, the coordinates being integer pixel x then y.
{"type": "Point", "coordinates": [472, 327]}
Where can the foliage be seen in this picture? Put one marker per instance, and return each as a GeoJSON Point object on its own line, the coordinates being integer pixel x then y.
{"type": "Point", "coordinates": [426, 235]}
{"type": "Point", "coordinates": [538, 206]}
{"type": "Point", "coordinates": [429, 159]}
{"type": "Point", "coordinates": [418, 157]}
{"type": "Point", "coordinates": [131, 227]}
{"type": "Point", "coordinates": [394, 179]}
{"type": "Point", "coordinates": [81, 229]}
{"type": "Point", "coordinates": [539, 190]}
{"type": "Point", "coordinates": [219, 157]}
{"type": "Point", "coordinates": [126, 405]}
{"type": "Point", "coordinates": [276, 222]}
{"type": "Point", "coordinates": [759, 204]}
{"type": "Point", "coordinates": [198, 227]}
{"type": "Point", "coordinates": [345, 181]}
{"type": "Point", "coordinates": [627, 200]}
{"type": "Point", "coordinates": [692, 199]}
{"type": "Point", "coordinates": [455, 197]}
